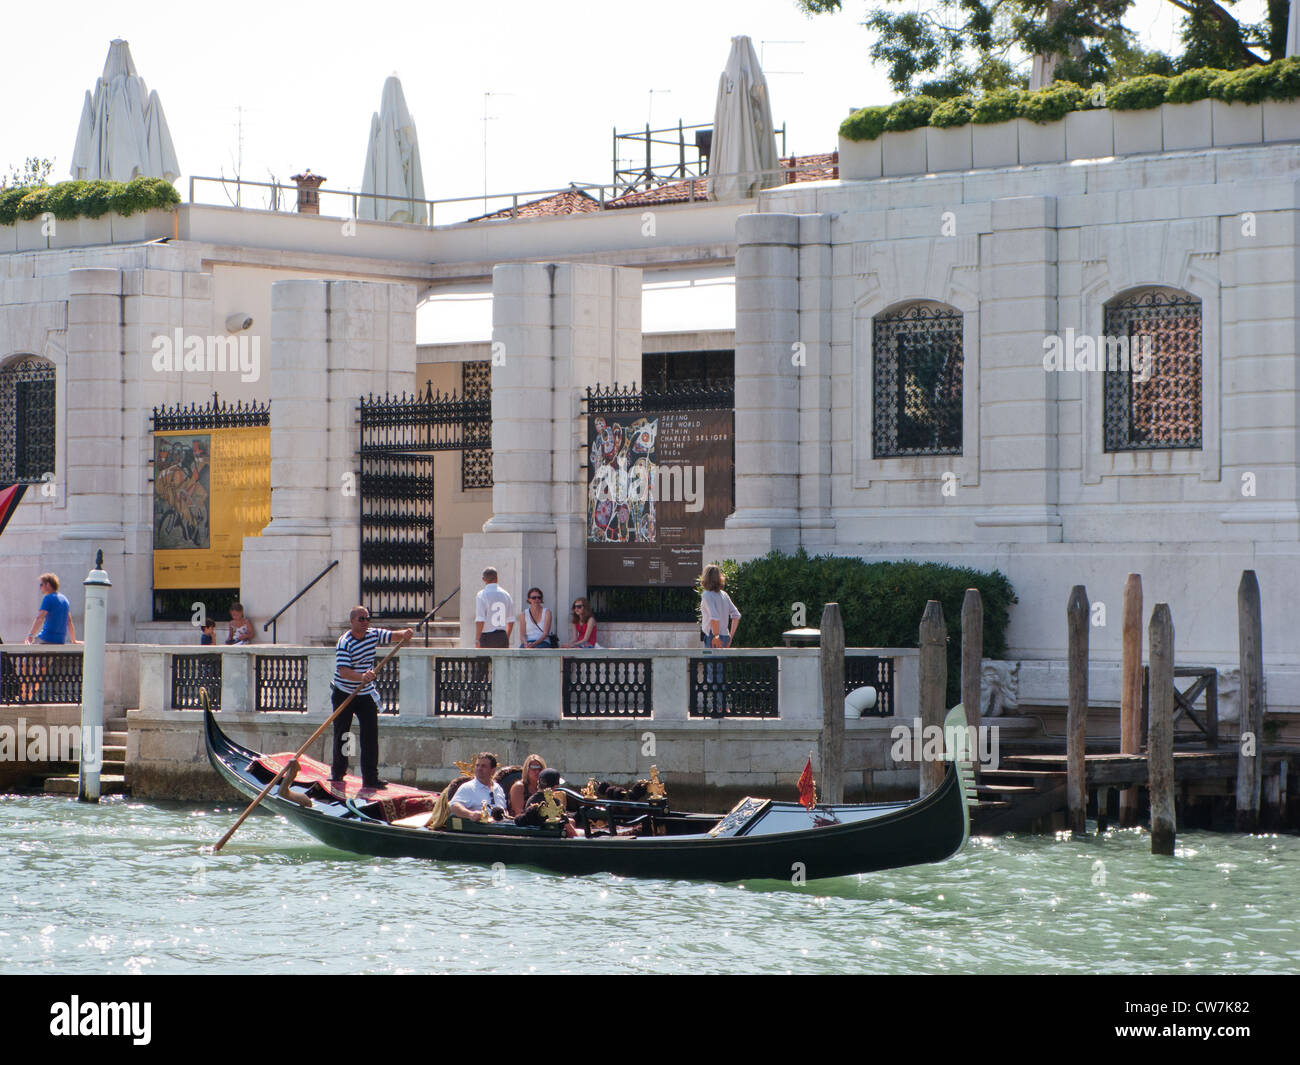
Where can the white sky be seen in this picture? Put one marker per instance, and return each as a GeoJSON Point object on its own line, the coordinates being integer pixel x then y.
{"type": "Point", "coordinates": [309, 75]}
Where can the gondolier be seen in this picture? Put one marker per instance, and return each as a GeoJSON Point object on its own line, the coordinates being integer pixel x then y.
{"type": "Point", "coordinates": [354, 668]}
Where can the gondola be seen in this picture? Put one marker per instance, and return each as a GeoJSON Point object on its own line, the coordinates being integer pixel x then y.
{"type": "Point", "coordinates": [760, 839]}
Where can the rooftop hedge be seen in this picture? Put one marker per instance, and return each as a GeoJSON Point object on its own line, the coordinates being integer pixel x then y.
{"type": "Point", "coordinates": [1279, 80]}
{"type": "Point", "coordinates": [85, 199]}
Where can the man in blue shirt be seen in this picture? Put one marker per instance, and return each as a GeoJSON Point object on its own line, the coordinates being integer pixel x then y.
{"type": "Point", "coordinates": [354, 668]}
{"type": "Point", "coordinates": [54, 619]}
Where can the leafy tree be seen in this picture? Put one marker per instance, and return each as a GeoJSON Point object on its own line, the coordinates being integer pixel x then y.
{"type": "Point", "coordinates": [943, 48]}
{"type": "Point", "coordinates": [34, 171]}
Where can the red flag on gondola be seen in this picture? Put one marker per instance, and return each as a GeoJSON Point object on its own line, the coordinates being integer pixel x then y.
{"type": "Point", "coordinates": [807, 786]}
{"type": "Point", "coordinates": [9, 498]}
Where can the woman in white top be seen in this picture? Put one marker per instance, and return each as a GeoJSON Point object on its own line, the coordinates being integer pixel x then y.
{"type": "Point", "coordinates": [719, 617]}
{"type": "Point", "coordinates": [535, 622]}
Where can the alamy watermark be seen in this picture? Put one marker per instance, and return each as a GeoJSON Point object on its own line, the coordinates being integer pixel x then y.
{"type": "Point", "coordinates": [180, 353]}
{"type": "Point", "coordinates": [52, 743]}
{"type": "Point", "coordinates": [1084, 352]}
{"type": "Point", "coordinates": [936, 743]}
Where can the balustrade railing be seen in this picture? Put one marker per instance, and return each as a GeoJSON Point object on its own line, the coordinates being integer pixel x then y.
{"type": "Point", "coordinates": [28, 678]}
{"type": "Point", "coordinates": [463, 686]}
{"type": "Point", "coordinates": [861, 671]}
{"type": "Point", "coordinates": [729, 686]}
{"type": "Point", "coordinates": [607, 687]}
{"type": "Point", "coordinates": [280, 682]}
{"type": "Point", "coordinates": [193, 674]}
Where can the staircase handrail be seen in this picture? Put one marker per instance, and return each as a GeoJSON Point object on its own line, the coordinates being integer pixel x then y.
{"type": "Point", "coordinates": [271, 624]}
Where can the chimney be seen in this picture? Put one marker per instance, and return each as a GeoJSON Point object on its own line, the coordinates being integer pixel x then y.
{"type": "Point", "coordinates": [308, 197]}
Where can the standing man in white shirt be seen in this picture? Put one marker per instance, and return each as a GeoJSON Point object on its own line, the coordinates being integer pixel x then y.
{"type": "Point", "coordinates": [494, 613]}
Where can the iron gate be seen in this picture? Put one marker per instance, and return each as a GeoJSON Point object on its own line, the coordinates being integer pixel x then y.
{"type": "Point", "coordinates": [399, 437]}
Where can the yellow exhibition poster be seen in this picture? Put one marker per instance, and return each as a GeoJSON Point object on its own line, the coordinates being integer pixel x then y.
{"type": "Point", "coordinates": [211, 488]}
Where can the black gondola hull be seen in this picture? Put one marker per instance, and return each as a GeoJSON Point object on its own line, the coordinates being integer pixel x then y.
{"type": "Point", "coordinates": [927, 830]}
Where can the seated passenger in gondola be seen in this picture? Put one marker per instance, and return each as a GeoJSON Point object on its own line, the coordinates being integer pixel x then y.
{"type": "Point", "coordinates": [532, 816]}
{"type": "Point", "coordinates": [527, 785]}
{"type": "Point", "coordinates": [470, 796]}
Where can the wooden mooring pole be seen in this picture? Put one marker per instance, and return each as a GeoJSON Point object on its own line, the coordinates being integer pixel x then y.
{"type": "Point", "coordinates": [1076, 720]}
{"type": "Point", "coordinates": [1130, 690]}
{"type": "Point", "coordinates": [831, 660]}
{"type": "Point", "coordinates": [1160, 736]}
{"type": "Point", "coordinates": [933, 669]}
{"type": "Point", "coordinates": [1250, 720]}
{"type": "Point", "coordinates": [972, 653]}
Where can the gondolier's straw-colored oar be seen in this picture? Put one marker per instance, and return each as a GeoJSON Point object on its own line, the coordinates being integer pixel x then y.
{"type": "Point", "coordinates": [298, 754]}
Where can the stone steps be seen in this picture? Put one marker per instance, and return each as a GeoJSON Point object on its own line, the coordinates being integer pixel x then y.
{"type": "Point", "coordinates": [109, 784]}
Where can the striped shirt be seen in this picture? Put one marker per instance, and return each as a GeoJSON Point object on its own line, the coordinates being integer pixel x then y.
{"type": "Point", "coordinates": [351, 653]}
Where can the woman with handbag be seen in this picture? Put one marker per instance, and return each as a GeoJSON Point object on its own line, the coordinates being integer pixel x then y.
{"type": "Point", "coordinates": [536, 623]}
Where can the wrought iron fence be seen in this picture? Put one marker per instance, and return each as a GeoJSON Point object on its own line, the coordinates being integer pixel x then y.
{"type": "Point", "coordinates": [734, 686]}
{"type": "Point", "coordinates": [1153, 371]}
{"type": "Point", "coordinates": [607, 687]}
{"type": "Point", "coordinates": [388, 681]}
{"type": "Point", "coordinates": [280, 682]}
{"type": "Point", "coordinates": [862, 671]}
{"type": "Point", "coordinates": [917, 356]}
{"type": "Point", "coordinates": [193, 674]}
{"type": "Point", "coordinates": [217, 414]}
{"type": "Point", "coordinates": [29, 678]}
{"type": "Point", "coordinates": [27, 407]}
{"type": "Point", "coordinates": [463, 686]}
{"type": "Point", "coordinates": [642, 603]}
{"type": "Point", "coordinates": [615, 399]}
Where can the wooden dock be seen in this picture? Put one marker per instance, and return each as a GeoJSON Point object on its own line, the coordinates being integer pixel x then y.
{"type": "Point", "coordinates": [1027, 792]}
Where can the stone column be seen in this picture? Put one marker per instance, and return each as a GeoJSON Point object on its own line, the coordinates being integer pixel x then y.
{"type": "Point", "coordinates": [556, 328]}
{"type": "Point", "coordinates": [767, 390]}
{"type": "Point", "coordinates": [92, 393]}
{"type": "Point", "coordinates": [331, 342]}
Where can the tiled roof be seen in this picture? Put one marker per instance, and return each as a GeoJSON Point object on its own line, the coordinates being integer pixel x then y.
{"type": "Point", "coordinates": [811, 168]}
{"type": "Point", "coordinates": [571, 201]}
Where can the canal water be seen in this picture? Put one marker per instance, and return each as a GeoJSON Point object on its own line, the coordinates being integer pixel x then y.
{"type": "Point", "coordinates": [123, 887]}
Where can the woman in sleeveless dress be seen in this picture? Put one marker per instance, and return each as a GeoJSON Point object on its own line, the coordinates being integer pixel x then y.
{"type": "Point", "coordinates": [535, 623]}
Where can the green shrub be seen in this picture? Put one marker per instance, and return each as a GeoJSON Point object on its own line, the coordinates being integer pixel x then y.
{"type": "Point", "coordinates": [9, 200]}
{"type": "Point", "coordinates": [1286, 78]}
{"type": "Point", "coordinates": [1193, 85]}
{"type": "Point", "coordinates": [1138, 94]}
{"type": "Point", "coordinates": [954, 112]}
{"type": "Point", "coordinates": [85, 199]}
{"type": "Point", "coordinates": [912, 113]}
{"type": "Point", "coordinates": [1052, 103]}
{"type": "Point", "coordinates": [881, 602]}
{"type": "Point", "coordinates": [864, 125]}
{"type": "Point", "coordinates": [1000, 106]}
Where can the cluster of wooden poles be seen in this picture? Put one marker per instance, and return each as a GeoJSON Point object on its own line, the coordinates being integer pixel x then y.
{"type": "Point", "coordinates": [933, 681]}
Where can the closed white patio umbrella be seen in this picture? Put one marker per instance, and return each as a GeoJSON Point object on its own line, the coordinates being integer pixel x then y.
{"type": "Point", "coordinates": [744, 140]}
{"type": "Point", "coordinates": [393, 163]}
{"type": "Point", "coordinates": [123, 133]}
{"type": "Point", "coordinates": [1293, 29]}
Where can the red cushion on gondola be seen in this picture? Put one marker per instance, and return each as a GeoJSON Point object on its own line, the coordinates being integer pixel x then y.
{"type": "Point", "coordinates": [394, 801]}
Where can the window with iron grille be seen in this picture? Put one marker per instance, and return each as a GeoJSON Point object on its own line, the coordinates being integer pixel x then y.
{"type": "Point", "coordinates": [917, 381]}
{"type": "Point", "coordinates": [1154, 402]}
{"type": "Point", "coordinates": [476, 462]}
{"type": "Point", "coordinates": [26, 420]}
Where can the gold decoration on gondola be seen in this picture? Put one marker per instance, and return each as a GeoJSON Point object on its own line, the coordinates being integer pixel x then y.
{"type": "Point", "coordinates": [552, 811]}
{"type": "Point", "coordinates": [589, 792]}
{"type": "Point", "coordinates": [656, 789]}
{"type": "Point", "coordinates": [486, 813]}
{"type": "Point", "coordinates": [466, 768]}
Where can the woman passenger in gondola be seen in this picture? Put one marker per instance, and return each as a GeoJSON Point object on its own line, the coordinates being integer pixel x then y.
{"type": "Point", "coordinates": [532, 815]}
{"type": "Point", "coordinates": [527, 785]}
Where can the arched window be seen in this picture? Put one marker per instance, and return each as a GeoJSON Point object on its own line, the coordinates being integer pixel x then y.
{"type": "Point", "coordinates": [917, 381]}
{"type": "Point", "coordinates": [26, 420]}
{"type": "Point", "coordinates": [1152, 397]}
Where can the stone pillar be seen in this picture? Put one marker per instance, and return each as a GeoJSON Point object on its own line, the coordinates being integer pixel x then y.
{"type": "Point", "coordinates": [92, 393]}
{"type": "Point", "coordinates": [331, 342]}
{"type": "Point", "coordinates": [767, 391]}
{"type": "Point", "coordinates": [813, 361]}
{"type": "Point", "coordinates": [556, 329]}
{"type": "Point", "coordinates": [1019, 458]}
